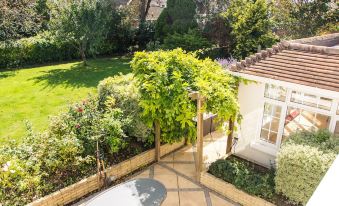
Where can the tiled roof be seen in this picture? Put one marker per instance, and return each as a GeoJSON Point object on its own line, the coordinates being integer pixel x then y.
{"type": "Point", "coordinates": [312, 62]}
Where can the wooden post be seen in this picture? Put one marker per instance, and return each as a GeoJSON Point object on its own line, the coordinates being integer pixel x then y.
{"type": "Point", "coordinates": [200, 134]}
{"type": "Point", "coordinates": [157, 140]}
{"type": "Point", "coordinates": [230, 136]}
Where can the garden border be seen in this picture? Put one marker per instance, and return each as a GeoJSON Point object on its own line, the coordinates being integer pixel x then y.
{"type": "Point", "coordinates": [92, 183]}
{"type": "Point", "coordinates": [230, 191]}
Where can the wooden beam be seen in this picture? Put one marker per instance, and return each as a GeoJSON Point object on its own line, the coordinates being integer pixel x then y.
{"type": "Point", "coordinates": [157, 140]}
{"type": "Point", "coordinates": [194, 95]}
{"type": "Point", "coordinates": [230, 136]}
{"type": "Point", "coordinates": [200, 134]}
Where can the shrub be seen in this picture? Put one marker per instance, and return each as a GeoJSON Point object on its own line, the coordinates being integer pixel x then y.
{"type": "Point", "coordinates": [122, 92]}
{"type": "Point", "coordinates": [300, 169]}
{"type": "Point", "coordinates": [322, 139]}
{"type": "Point", "coordinates": [191, 41]}
{"type": "Point", "coordinates": [35, 50]}
{"type": "Point", "coordinates": [245, 176]}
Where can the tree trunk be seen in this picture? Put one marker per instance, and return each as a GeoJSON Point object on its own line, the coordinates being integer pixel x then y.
{"type": "Point", "coordinates": [230, 136]}
{"type": "Point", "coordinates": [83, 57]}
{"type": "Point", "coordinates": [144, 8]}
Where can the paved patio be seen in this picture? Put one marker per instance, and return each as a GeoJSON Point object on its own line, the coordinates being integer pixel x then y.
{"type": "Point", "coordinates": [177, 172]}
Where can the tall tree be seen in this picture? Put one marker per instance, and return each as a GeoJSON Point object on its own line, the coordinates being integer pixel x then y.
{"type": "Point", "coordinates": [178, 17]}
{"type": "Point", "coordinates": [144, 8]}
{"type": "Point", "coordinates": [82, 22]}
{"type": "Point", "coordinates": [251, 26]}
{"type": "Point", "coordinates": [304, 18]}
{"type": "Point", "coordinates": [18, 18]}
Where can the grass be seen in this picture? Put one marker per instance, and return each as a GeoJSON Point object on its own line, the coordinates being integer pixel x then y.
{"type": "Point", "coordinates": [34, 94]}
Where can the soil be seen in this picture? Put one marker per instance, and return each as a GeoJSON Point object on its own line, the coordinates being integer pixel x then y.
{"type": "Point", "coordinates": [132, 148]}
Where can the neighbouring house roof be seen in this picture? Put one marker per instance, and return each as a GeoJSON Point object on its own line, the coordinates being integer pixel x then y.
{"type": "Point", "coordinates": [311, 61]}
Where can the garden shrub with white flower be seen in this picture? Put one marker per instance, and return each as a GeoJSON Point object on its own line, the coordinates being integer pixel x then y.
{"type": "Point", "coordinates": [302, 162]}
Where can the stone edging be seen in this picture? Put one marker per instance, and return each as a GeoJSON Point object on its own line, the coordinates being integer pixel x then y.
{"type": "Point", "coordinates": [230, 191]}
{"type": "Point", "coordinates": [89, 184]}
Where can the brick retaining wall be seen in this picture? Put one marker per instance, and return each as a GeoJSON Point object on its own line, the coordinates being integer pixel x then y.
{"type": "Point", "coordinates": [92, 183]}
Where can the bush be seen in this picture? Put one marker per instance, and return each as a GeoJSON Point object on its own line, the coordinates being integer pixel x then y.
{"type": "Point", "coordinates": [322, 139]}
{"type": "Point", "coordinates": [245, 176]}
{"type": "Point", "coordinates": [43, 48]}
{"type": "Point", "coordinates": [121, 92]}
{"type": "Point", "coordinates": [191, 41]}
{"type": "Point", "coordinates": [300, 169]}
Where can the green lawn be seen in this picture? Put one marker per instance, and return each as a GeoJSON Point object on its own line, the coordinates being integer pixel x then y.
{"type": "Point", "coordinates": [35, 93]}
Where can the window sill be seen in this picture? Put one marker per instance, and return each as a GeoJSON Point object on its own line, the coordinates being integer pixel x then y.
{"type": "Point", "coordinates": [263, 147]}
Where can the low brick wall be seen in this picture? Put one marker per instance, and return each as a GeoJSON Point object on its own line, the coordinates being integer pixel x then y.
{"type": "Point", "coordinates": [92, 183]}
{"type": "Point", "coordinates": [231, 192]}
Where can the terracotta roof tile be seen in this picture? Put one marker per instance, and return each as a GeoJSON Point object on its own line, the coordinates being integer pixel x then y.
{"type": "Point", "coordinates": [297, 62]}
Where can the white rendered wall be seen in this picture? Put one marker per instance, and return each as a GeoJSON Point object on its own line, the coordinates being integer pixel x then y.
{"type": "Point", "coordinates": [251, 101]}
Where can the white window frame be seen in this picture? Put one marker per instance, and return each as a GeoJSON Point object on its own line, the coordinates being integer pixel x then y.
{"type": "Point", "coordinates": [273, 148]}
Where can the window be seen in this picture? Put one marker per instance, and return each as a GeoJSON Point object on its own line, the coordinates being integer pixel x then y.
{"type": "Point", "coordinates": [270, 123]}
{"type": "Point", "coordinates": [299, 119]}
{"type": "Point", "coordinates": [275, 92]}
{"type": "Point", "coordinates": [311, 100]}
{"type": "Point", "coordinates": [336, 129]}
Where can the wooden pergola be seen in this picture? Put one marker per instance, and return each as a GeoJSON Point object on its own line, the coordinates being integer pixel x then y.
{"type": "Point", "coordinates": [200, 128]}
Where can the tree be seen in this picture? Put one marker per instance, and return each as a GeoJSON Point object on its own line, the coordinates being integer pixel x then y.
{"type": "Point", "coordinates": [177, 17]}
{"type": "Point", "coordinates": [144, 8]}
{"type": "Point", "coordinates": [82, 22]}
{"type": "Point", "coordinates": [19, 18]}
{"type": "Point", "coordinates": [251, 26]}
{"type": "Point", "coordinates": [305, 18]}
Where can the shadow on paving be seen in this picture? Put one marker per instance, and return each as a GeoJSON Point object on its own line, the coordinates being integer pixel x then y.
{"type": "Point", "coordinates": [84, 76]}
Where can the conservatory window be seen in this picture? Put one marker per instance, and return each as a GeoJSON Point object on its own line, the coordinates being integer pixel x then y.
{"type": "Point", "coordinates": [300, 119]}
{"type": "Point", "coordinates": [270, 123]}
{"type": "Point", "coordinates": [336, 129]}
{"type": "Point", "coordinates": [311, 100]}
{"type": "Point", "coordinates": [275, 92]}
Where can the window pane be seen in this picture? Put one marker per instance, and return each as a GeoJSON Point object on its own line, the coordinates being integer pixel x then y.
{"type": "Point", "coordinates": [266, 122]}
{"type": "Point", "coordinates": [325, 103]}
{"type": "Point", "coordinates": [275, 92]}
{"type": "Point", "coordinates": [275, 125]}
{"type": "Point", "coordinates": [273, 137]}
{"type": "Point", "coordinates": [336, 129]}
{"type": "Point", "coordinates": [311, 100]}
{"type": "Point", "coordinates": [299, 119]}
{"type": "Point", "coordinates": [264, 134]}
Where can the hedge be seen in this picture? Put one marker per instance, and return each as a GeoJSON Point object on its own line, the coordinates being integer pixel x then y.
{"type": "Point", "coordinates": [300, 169]}
{"type": "Point", "coordinates": [42, 48]}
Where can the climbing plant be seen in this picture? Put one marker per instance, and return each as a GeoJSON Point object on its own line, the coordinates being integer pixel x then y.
{"type": "Point", "coordinates": [165, 79]}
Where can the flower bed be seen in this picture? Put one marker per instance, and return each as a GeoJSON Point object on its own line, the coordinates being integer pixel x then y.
{"type": "Point", "coordinates": [231, 192]}
{"type": "Point", "coordinates": [243, 182]}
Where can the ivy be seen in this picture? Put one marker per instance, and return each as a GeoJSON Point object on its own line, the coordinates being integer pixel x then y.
{"type": "Point", "coordinates": [165, 79]}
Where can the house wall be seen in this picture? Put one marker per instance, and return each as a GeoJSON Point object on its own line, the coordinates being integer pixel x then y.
{"type": "Point", "coordinates": [251, 101]}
